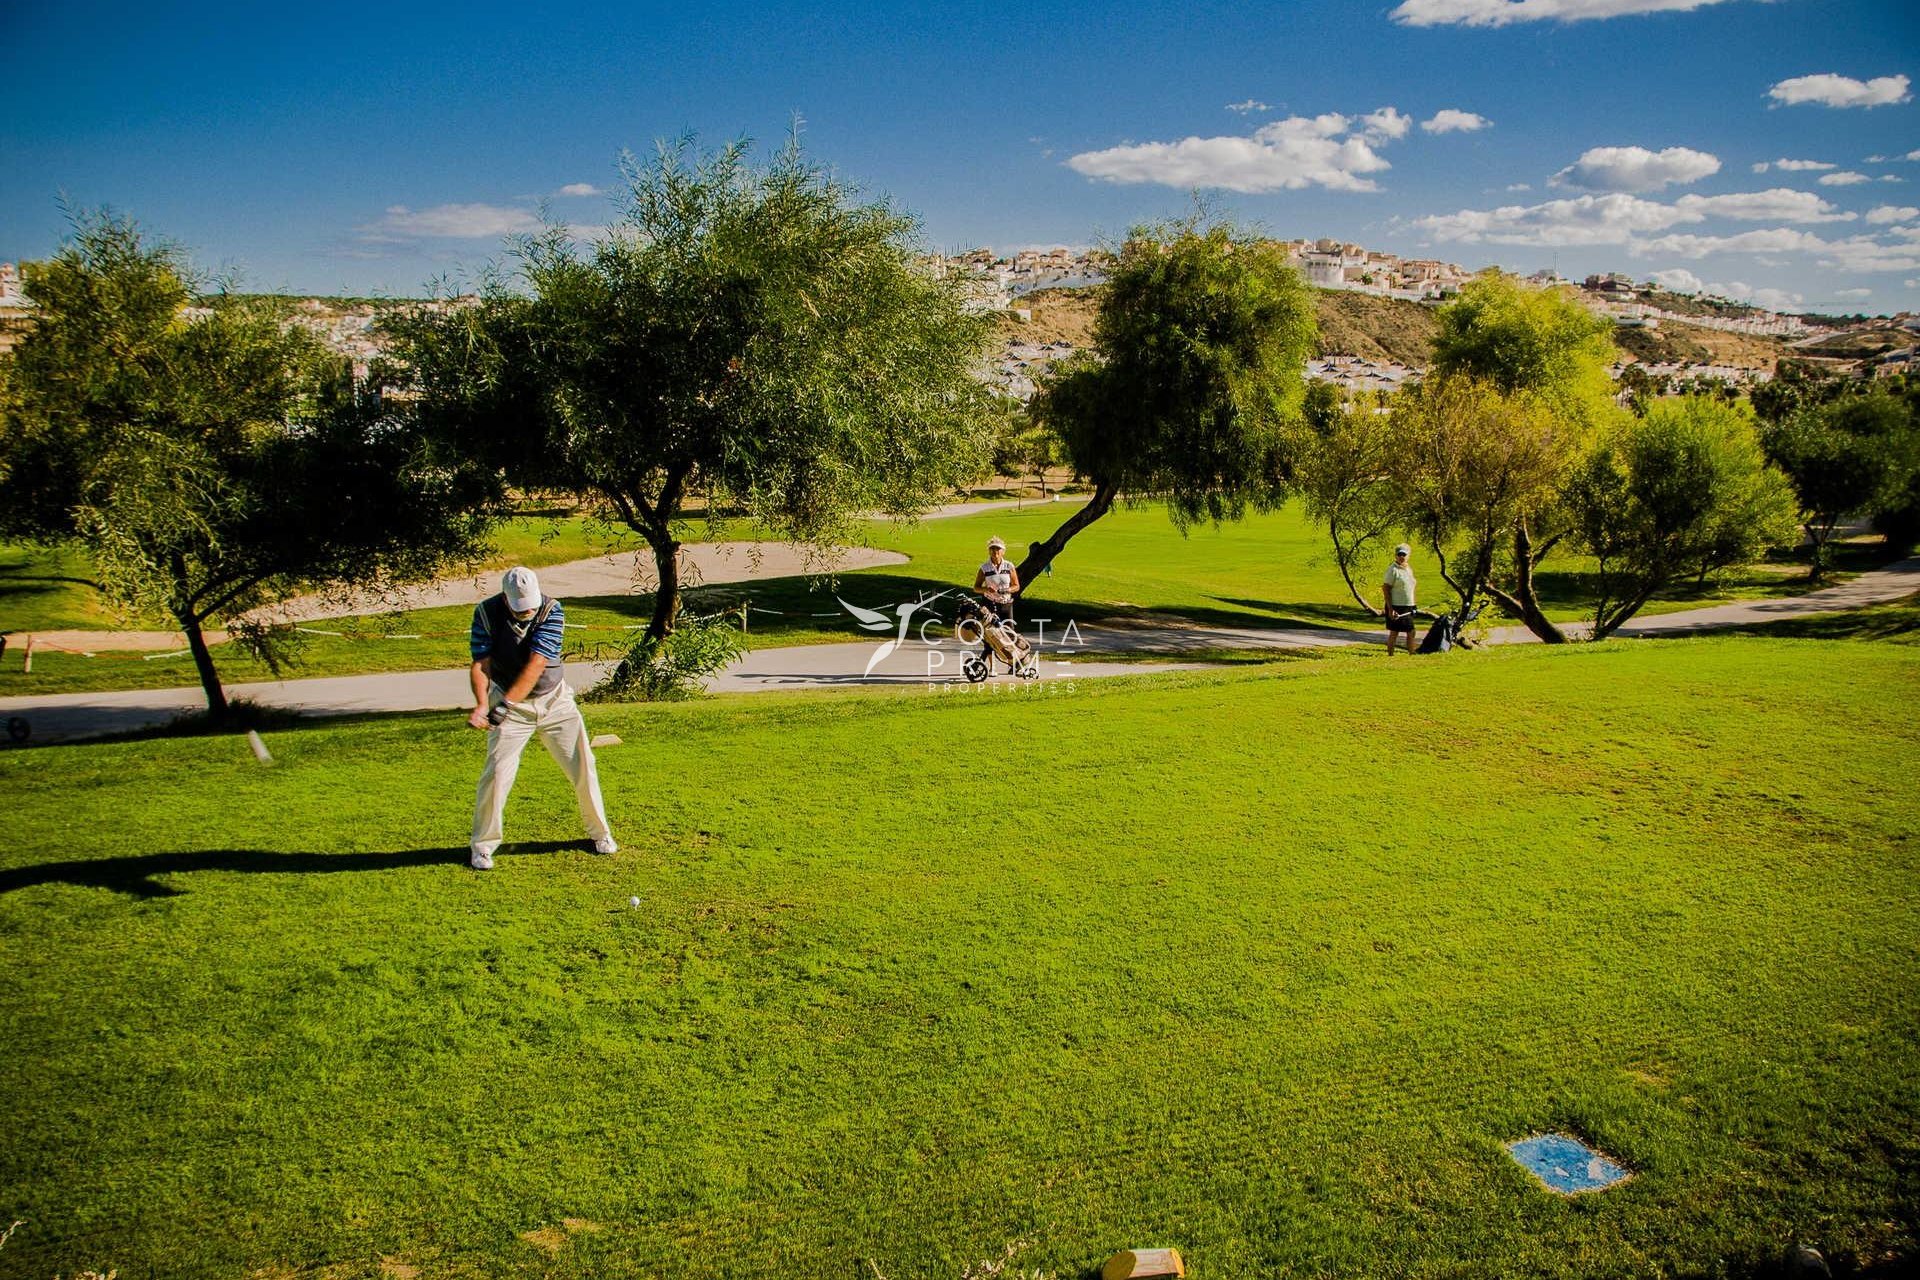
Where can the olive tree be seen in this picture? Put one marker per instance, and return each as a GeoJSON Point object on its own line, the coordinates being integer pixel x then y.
{"type": "Point", "coordinates": [1545, 358]}
{"type": "Point", "coordinates": [1193, 387]}
{"type": "Point", "coordinates": [1855, 455]}
{"type": "Point", "coordinates": [756, 336]}
{"type": "Point", "coordinates": [1677, 494]}
{"type": "Point", "coordinates": [1468, 464]}
{"type": "Point", "coordinates": [1343, 471]}
{"type": "Point", "coordinates": [212, 459]}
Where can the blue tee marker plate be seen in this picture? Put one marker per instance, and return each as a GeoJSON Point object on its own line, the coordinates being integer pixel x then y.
{"type": "Point", "coordinates": [1565, 1164]}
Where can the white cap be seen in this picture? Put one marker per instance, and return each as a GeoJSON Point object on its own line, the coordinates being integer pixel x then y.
{"type": "Point", "coordinates": [995, 542]}
{"type": "Point", "coordinates": [521, 589]}
{"type": "Point", "coordinates": [1402, 550]}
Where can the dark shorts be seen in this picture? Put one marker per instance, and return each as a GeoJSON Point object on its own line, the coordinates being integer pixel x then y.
{"type": "Point", "coordinates": [1403, 619]}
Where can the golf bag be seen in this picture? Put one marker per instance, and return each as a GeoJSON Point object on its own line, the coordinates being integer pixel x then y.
{"type": "Point", "coordinates": [1003, 642]}
{"type": "Point", "coordinates": [1446, 631]}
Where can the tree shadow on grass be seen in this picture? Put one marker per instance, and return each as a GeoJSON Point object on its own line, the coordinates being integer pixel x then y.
{"type": "Point", "coordinates": [137, 874]}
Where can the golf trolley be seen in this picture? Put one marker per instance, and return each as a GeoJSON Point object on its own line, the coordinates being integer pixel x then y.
{"type": "Point", "coordinates": [1003, 644]}
{"type": "Point", "coordinates": [1447, 629]}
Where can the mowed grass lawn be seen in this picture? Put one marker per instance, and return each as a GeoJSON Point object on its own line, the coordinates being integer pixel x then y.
{"type": "Point", "coordinates": [1270, 570]}
{"type": "Point", "coordinates": [1266, 964]}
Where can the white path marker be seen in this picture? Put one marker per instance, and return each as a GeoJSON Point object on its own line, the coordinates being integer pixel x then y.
{"type": "Point", "coordinates": [258, 747]}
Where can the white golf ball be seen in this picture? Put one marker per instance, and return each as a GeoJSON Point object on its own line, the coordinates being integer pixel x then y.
{"type": "Point", "coordinates": [633, 902]}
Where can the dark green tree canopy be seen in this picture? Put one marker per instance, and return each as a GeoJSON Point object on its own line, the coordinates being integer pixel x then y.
{"type": "Point", "coordinates": [212, 459]}
{"type": "Point", "coordinates": [1852, 454]}
{"type": "Point", "coordinates": [757, 335]}
{"type": "Point", "coordinates": [1676, 494]}
{"type": "Point", "coordinates": [1194, 389]}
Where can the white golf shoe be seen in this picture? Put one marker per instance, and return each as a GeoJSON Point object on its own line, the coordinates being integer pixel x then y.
{"type": "Point", "coordinates": [605, 844]}
{"type": "Point", "coordinates": [481, 861]}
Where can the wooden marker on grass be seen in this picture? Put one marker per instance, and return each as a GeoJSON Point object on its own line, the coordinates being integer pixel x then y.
{"type": "Point", "coordinates": [1143, 1264]}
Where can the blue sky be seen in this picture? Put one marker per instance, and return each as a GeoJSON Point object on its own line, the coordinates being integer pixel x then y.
{"type": "Point", "coordinates": [369, 150]}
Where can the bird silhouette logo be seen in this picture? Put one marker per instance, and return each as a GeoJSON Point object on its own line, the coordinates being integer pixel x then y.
{"type": "Point", "coordinates": [875, 620]}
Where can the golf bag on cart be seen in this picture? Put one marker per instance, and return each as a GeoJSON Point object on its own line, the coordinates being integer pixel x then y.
{"type": "Point", "coordinates": [1446, 631]}
{"type": "Point", "coordinates": [1003, 642]}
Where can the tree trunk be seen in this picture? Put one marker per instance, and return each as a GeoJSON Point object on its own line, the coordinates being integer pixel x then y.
{"type": "Point", "coordinates": [1604, 627]}
{"type": "Point", "coordinates": [1344, 560]}
{"type": "Point", "coordinates": [203, 662]}
{"type": "Point", "coordinates": [1041, 554]}
{"type": "Point", "coordinates": [666, 599]}
{"type": "Point", "coordinates": [1819, 533]}
{"type": "Point", "coordinates": [1523, 593]}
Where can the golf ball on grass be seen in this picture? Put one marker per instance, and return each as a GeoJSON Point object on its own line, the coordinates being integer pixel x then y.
{"type": "Point", "coordinates": [633, 901]}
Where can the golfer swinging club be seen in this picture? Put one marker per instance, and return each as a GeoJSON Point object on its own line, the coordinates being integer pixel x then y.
{"type": "Point", "coordinates": [1397, 593]}
{"type": "Point", "coordinates": [520, 689]}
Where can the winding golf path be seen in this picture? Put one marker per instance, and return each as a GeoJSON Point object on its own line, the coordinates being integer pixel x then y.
{"type": "Point", "coordinates": [931, 666]}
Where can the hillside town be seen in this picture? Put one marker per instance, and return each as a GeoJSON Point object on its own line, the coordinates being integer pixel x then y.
{"type": "Point", "coordinates": [1000, 283]}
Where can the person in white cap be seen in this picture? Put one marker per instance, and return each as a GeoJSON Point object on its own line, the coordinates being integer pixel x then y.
{"type": "Point", "coordinates": [520, 689]}
{"type": "Point", "coordinates": [1397, 593]}
{"type": "Point", "coordinates": [997, 580]}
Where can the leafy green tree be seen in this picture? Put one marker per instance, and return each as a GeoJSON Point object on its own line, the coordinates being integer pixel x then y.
{"type": "Point", "coordinates": [1468, 464]}
{"type": "Point", "coordinates": [211, 459]}
{"type": "Point", "coordinates": [1855, 455]}
{"type": "Point", "coordinates": [1677, 494]}
{"type": "Point", "coordinates": [1194, 385]}
{"type": "Point", "coordinates": [1344, 471]}
{"type": "Point", "coordinates": [756, 336]}
{"type": "Point", "coordinates": [1555, 355]}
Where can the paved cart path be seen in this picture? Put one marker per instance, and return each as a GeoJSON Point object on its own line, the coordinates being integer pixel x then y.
{"type": "Point", "coordinates": [59, 717]}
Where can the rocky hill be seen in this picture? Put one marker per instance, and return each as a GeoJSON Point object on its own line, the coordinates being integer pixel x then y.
{"type": "Point", "coordinates": [1351, 324]}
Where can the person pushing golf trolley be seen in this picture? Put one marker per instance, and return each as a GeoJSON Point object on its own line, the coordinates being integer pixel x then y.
{"type": "Point", "coordinates": [519, 690]}
{"type": "Point", "coordinates": [998, 583]}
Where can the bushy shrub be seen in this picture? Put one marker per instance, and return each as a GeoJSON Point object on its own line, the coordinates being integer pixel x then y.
{"type": "Point", "coordinates": [673, 667]}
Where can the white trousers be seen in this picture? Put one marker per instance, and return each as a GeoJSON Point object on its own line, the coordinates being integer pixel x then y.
{"type": "Point", "coordinates": [556, 718]}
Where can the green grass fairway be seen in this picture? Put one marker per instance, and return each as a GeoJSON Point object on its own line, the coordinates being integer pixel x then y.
{"type": "Point", "coordinates": [1270, 570]}
{"type": "Point", "coordinates": [1266, 964]}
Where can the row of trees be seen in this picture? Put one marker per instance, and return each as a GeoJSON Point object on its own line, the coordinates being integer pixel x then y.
{"type": "Point", "coordinates": [763, 340]}
{"type": "Point", "coordinates": [1513, 447]}
{"type": "Point", "coordinates": [757, 337]}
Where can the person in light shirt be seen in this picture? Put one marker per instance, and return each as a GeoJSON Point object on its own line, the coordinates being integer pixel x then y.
{"type": "Point", "coordinates": [520, 692]}
{"type": "Point", "coordinates": [1398, 593]}
{"type": "Point", "coordinates": [998, 580]}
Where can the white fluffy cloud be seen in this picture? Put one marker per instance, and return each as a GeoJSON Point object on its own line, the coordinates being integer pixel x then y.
{"type": "Point", "coordinates": [1863, 253]}
{"type": "Point", "coordinates": [578, 189]}
{"type": "Point", "coordinates": [1892, 213]}
{"type": "Point", "coordinates": [1386, 124]}
{"type": "Point", "coordinates": [1287, 155]}
{"type": "Point", "coordinates": [1793, 166]}
{"type": "Point", "coordinates": [1499, 13]}
{"type": "Point", "coordinates": [1845, 178]}
{"type": "Point", "coordinates": [1620, 218]}
{"type": "Point", "coordinates": [1636, 169]}
{"type": "Point", "coordinates": [1771, 240]}
{"type": "Point", "coordinates": [1829, 90]}
{"type": "Point", "coordinates": [1781, 204]}
{"type": "Point", "coordinates": [455, 222]}
{"type": "Point", "coordinates": [1680, 280]}
{"type": "Point", "coordinates": [1452, 120]}
{"type": "Point", "coordinates": [1583, 220]}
